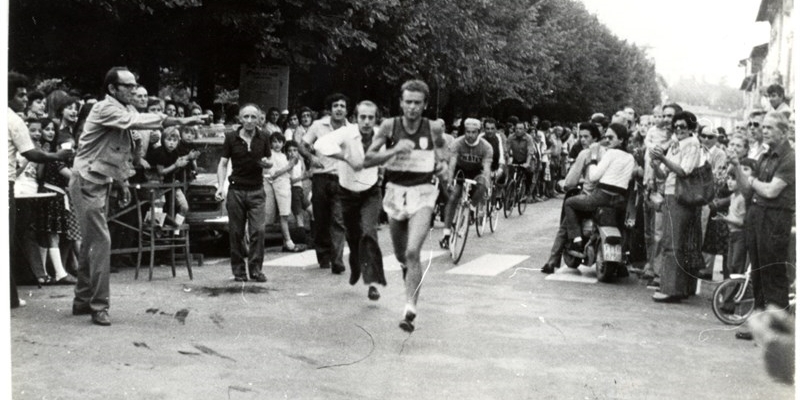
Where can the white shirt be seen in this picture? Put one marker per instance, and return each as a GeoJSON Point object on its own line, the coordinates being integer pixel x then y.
{"type": "Point", "coordinates": [347, 139]}
{"type": "Point", "coordinates": [19, 141]}
{"type": "Point", "coordinates": [614, 169]}
{"type": "Point", "coordinates": [319, 129]}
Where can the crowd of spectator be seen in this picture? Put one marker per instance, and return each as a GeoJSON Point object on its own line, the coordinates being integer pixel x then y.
{"type": "Point", "coordinates": [669, 243]}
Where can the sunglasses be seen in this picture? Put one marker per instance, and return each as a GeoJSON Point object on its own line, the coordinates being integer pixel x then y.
{"type": "Point", "coordinates": [680, 127]}
{"type": "Point", "coordinates": [707, 136]}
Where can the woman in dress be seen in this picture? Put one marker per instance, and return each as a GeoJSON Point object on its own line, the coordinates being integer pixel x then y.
{"type": "Point", "coordinates": [681, 239]}
{"type": "Point", "coordinates": [58, 216]}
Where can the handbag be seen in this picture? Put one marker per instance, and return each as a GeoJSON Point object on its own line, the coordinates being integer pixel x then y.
{"type": "Point", "coordinates": [697, 188]}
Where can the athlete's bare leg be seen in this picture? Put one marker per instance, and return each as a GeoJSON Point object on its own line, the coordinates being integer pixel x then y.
{"type": "Point", "coordinates": [417, 230]}
{"type": "Point", "coordinates": [399, 232]}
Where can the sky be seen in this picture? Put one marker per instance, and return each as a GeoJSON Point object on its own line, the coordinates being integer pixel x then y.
{"type": "Point", "coordinates": [701, 38]}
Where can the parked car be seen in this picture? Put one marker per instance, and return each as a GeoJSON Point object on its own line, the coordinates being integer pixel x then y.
{"type": "Point", "coordinates": [208, 218]}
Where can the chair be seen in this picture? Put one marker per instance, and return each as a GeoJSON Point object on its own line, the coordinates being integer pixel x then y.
{"type": "Point", "coordinates": [161, 231]}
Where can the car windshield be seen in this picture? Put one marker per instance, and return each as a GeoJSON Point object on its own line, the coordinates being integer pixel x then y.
{"type": "Point", "coordinates": [210, 153]}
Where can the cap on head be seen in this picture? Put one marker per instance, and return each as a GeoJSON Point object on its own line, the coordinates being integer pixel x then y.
{"type": "Point", "coordinates": [472, 123]}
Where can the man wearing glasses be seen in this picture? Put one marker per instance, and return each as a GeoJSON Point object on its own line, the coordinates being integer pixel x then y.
{"type": "Point", "coordinates": [754, 135]}
{"type": "Point", "coordinates": [707, 136]}
{"type": "Point", "coordinates": [105, 156]}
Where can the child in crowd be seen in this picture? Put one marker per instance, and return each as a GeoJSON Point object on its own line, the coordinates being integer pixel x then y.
{"type": "Point", "coordinates": [172, 166]}
{"type": "Point", "coordinates": [737, 251]}
{"type": "Point", "coordinates": [187, 148]}
{"type": "Point", "coordinates": [26, 170]}
{"type": "Point", "coordinates": [297, 175]}
{"type": "Point", "coordinates": [278, 179]}
{"type": "Point", "coordinates": [57, 217]}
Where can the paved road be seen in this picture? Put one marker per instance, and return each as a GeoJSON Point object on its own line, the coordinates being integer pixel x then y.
{"type": "Point", "coordinates": [492, 329]}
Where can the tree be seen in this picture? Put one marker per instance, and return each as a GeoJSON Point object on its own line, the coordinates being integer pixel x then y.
{"type": "Point", "coordinates": [476, 54]}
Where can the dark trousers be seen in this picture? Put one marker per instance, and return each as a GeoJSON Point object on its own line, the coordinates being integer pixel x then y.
{"type": "Point", "coordinates": [246, 207]}
{"type": "Point", "coordinates": [328, 224]}
{"type": "Point", "coordinates": [680, 248]}
{"type": "Point", "coordinates": [94, 261]}
{"type": "Point", "coordinates": [12, 219]}
{"type": "Point", "coordinates": [767, 232]}
{"type": "Point", "coordinates": [561, 237]}
{"type": "Point", "coordinates": [361, 211]}
{"type": "Point", "coordinates": [587, 203]}
{"type": "Point", "coordinates": [28, 238]}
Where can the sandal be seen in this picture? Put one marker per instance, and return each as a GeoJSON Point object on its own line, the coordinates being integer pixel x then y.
{"type": "Point", "coordinates": [46, 280]}
{"type": "Point", "coordinates": [445, 242]}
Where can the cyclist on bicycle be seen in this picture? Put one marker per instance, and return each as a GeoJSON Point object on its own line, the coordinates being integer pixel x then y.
{"type": "Point", "coordinates": [498, 142]}
{"type": "Point", "coordinates": [521, 149]}
{"type": "Point", "coordinates": [472, 156]}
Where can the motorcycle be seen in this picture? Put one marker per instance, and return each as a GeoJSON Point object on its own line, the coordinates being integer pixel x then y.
{"type": "Point", "coordinates": [603, 243]}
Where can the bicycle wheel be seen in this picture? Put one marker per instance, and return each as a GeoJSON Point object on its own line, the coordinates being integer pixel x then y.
{"type": "Point", "coordinates": [493, 216]}
{"type": "Point", "coordinates": [733, 301]}
{"type": "Point", "coordinates": [522, 202]}
{"type": "Point", "coordinates": [480, 220]}
{"type": "Point", "coordinates": [500, 193]}
{"type": "Point", "coordinates": [509, 199]}
{"type": "Point", "coordinates": [458, 237]}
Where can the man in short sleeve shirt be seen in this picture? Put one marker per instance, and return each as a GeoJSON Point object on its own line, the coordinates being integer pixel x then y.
{"type": "Point", "coordinates": [19, 142]}
{"type": "Point", "coordinates": [105, 155]}
{"type": "Point", "coordinates": [248, 150]}
{"type": "Point", "coordinates": [328, 222]}
{"type": "Point", "coordinates": [768, 222]}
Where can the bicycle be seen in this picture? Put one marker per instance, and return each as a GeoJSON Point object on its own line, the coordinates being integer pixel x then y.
{"type": "Point", "coordinates": [733, 301]}
{"type": "Point", "coordinates": [461, 221]}
{"type": "Point", "coordinates": [516, 191]}
{"type": "Point", "coordinates": [494, 203]}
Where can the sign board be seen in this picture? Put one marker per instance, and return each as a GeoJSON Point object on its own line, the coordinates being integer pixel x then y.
{"type": "Point", "coordinates": [265, 86]}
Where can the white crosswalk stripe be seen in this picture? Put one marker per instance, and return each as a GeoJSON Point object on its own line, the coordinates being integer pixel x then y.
{"type": "Point", "coordinates": [390, 263]}
{"type": "Point", "coordinates": [489, 264]}
{"type": "Point", "coordinates": [306, 259]}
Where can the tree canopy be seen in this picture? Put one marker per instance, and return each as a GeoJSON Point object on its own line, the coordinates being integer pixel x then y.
{"type": "Point", "coordinates": [549, 57]}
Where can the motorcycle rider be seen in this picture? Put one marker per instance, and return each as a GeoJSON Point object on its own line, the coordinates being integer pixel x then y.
{"type": "Point", "coordinates": [612, 174]}
{"type": "Point", "coordinates": [589, 136]}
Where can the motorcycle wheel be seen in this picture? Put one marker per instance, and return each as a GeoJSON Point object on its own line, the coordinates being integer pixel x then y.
{"type": "Point", "coordinates": [570, 260]}
{"type": "Point", "coordinates": [605, 270]}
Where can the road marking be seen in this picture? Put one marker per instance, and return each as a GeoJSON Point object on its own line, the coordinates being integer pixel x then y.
{"type": "Point", "coordinates": [582, 274]}
{"type": "Point", "coordinates": [489, 264]}
{"type": "Point", "coordinates": [305, 259]}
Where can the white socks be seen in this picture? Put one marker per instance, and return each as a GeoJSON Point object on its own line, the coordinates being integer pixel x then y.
{"type": "Point", "coordinates": [55, 258]}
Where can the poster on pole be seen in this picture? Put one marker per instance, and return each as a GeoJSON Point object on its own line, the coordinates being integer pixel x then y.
{"type": "Point", "coordinates": [266, 86]}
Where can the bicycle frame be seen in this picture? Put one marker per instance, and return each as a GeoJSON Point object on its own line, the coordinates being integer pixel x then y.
{"type": "Point", "coordinates": [746, 277]}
